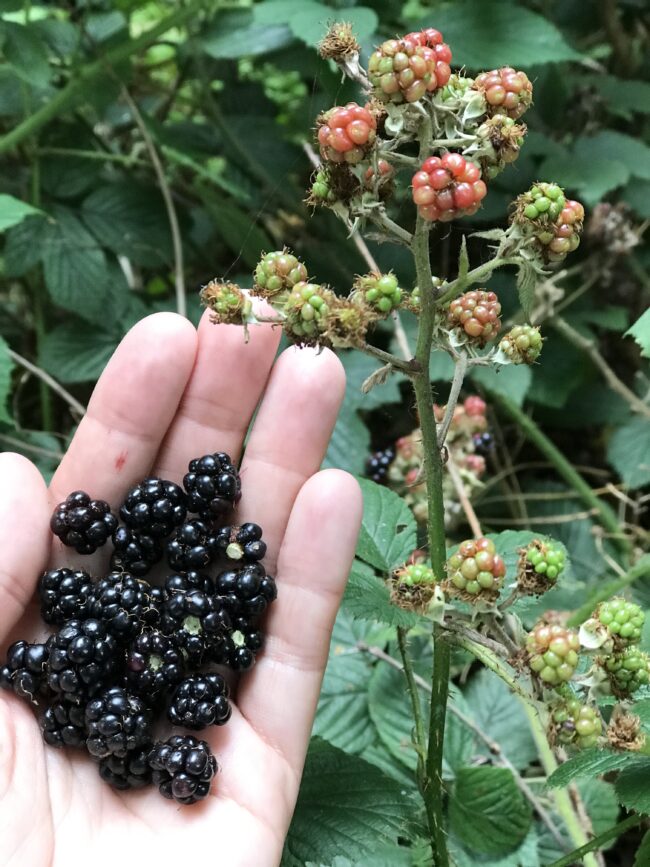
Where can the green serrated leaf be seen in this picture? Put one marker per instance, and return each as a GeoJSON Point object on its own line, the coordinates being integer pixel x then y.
{"type": "Point", "coordinates": [77, 352]}
{"type": "Point", "coordinates": [345, 805]}
{"type": "Point", "coordinates": [624, 97]}
{"type": "Point", "coordinates": [642, 857]}
{"type": "Point", "coordinates": [311, 22]}
{"type": "Point", "coordinates": [513, 380]}
{"type": "Point", "coordinates": [13, 211]}
{"type": "Point", "coordinates": [632, 786]}
{"type": "Point", "coordinates": [640, 331]}
{"type": "Point", "coordinates": [388, 529]}
{"type": "Point", "coordinates": [629, 452]}
{"type": "Point", "coordinates": [390, 712]}
{"type": "Point", "coordinates": [25, 51]}
{"type": "Point", "coordinates": [494, 33]}
{"type": "Point", "coordinates": [487, 811]}
{"type": "Point", "coordinates": [236, 35]}
{"type": "Point", "coordinates": [343, 717]}
{"type": "Point", "coordinates": [6, 366]}
{"type": "Point", "coordinates": [367, 597]}
{"type": "Point", "coordinates": [499, 714]}
{"type": "Point", "coordinates": [591, 763]}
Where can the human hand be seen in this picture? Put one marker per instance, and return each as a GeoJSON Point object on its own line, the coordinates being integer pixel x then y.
{"type": "Point", "coordinates": [168, 394]}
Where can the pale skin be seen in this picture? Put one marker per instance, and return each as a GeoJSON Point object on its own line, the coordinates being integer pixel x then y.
{"type": "Point", "coordinates": [172, 392]}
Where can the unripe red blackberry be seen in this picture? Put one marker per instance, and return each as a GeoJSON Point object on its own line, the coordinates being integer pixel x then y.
{"type": "Point", "coordinates": [475, 315]}
{"type": "Point", "coordinates": [474, 405]}
{"type": "Point", "coordinates": [405, 70]}
{"type": "Point", "coordinates": [540, 564]}
{"type": "Point", "coordinates": [228, 304]}
{"type": "Point", "coordinates": [475, 571]}
{"type": "Point", "coordinates": [385, 171]}
{"type": "Point", "coordinates": [506, 91]}
{"type": "Point", "coordinates": [379, 291]}
{"type": "Point", "coordinates": [553, 653]}
{"type": "Point", "coordinates": [552, 220]}
{"type": "Point", "coordinates": [447, 187]}
{"type": "Point", "coordinates": [623, 620]}
{"type": "Point", "coordinates": [345, 133]}
{"type": "Point", "coordinates": [627, 670]}
{"type": "Point", "coordinates": [277, 272]}
{"type": "Point", "coordinates": [575, 724]}
{"type": "Point", "coordinates": [522, 344]}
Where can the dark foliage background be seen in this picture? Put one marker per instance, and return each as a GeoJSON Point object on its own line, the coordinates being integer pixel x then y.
{"type": "Point", "coordinates": [150, 146]}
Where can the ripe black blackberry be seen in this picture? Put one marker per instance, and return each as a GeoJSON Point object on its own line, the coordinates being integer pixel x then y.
{"type": "Point", "coordinates": [213, 486]}
{"type": "Point", "coordinates": [243, 644]}
{"type": "Point", "coordinates": [248, 591]}
{"type": "Point", "coordinates": [24, 671]}
{"type": "Point", "coordinates": [200, 701]}
{"type": "Point", "coordinates": [66, 594]}
{"type": "Point", "coordinates": [135, 552]}
{"type": "Point", "coordinates": [191, 547]}
{"type": "Point", "coordinates": [197, 622]}
{"type": "Point", "coordinates": [154, 664]}
{"type": "Point", "coordinates": [483, 443]}
{"type": "Point", "coordinates": [183, 768]}
{"type": "Point", "coordinates": [131, 771]}
{"type": "Point", "coordinates": [82, 523]}
{"type": "Point", "coordinates": [123, 604]}
{"type": "Point", "coordinates": [240, 543]}
{"type": "Point", "coordinates": [186, 581]}
{"type": "Point", "coordinates": [83, 657]}
{"type": "Point", "coordinates": [63, 724]}
{"type": "Point", "coordinates": [117, 723]}
{"type": "Point", "coordinates": [154, 507]}
{"type": "Point", "coordinates": [378, 463]}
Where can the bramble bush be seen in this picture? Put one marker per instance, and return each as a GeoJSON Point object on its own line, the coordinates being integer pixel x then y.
{"type": "Point", "coordinates": [482, 681]}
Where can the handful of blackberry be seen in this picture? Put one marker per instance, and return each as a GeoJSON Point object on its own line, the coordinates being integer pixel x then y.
{"type": "Point", "coordinates": [128, 650]}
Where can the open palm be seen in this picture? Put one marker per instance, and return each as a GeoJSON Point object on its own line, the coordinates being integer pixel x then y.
{"type": "Point", "coordinates": [170, 393]}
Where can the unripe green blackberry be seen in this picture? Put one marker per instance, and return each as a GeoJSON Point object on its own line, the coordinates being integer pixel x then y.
{"type": "Point", "coordinates": [227, 303]}
{"type": "Point", "coordinates": [413, 587]}
{"type": "Point", "coordinates": [475, 571]}
{"type": "Point", "coordinates": [542, 202]}
{"type": "Point", "coordinates": [522, 344]}
{"type": "Point", "coordinates": [553, 653]}
{"type": "Point", "coordinates": [624, 620]}
{"type": "Point", "coordinates": [278, 272]}
{"type": "Point", "coordinates": [380, 291]}
{"type": "Point", "coordinates": [540, 565]}
{"type": "Point", "coordinates": [475, 316]}
{"type": "Point", "coordinates": [575, 724]}
{"type": "Point", "coordinates": [414, 574]}
{"type": "Point", "coordinates": [499, 142]}
{"type": "Point", "coordinates": [306, 309]}
{"type": "Point", "coordinates": [552, 220]}
{"type": "Point", "coordinates": [506, 91]}
{"type": "Point", "coordinates": [321, 192]}
{"type": "Point", "coordinates": [627, 670]}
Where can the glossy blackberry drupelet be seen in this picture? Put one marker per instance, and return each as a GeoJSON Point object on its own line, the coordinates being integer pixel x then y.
{"type": "Point", "coordinates": [63, 724]}
{"type": "Point", "coordinates": [192, 547]}
{"type": "Point", "coordinates": [82, 523]}
{"type": "Point", "coordinates": [183, 768]}
{"type": "Point", "coordinates": [213, 486]}
{"type": "Point", "coordinates": [83, 657]}
{"type": "Point", "coordinates": [187, 581]}
{"type": "Point", "coordinates": [117, 723]}
{"type": "Point", "coordinates": [200, 701]}
{"type": "Point", "coordinates": [123, 604]}
{"type": "Point", "coordinates": [135, 552]}
{"type": "Point", "coordinates": [131, 771]}
{"type": "Point", "coordinates": [378, 463]}
{"type": "Point", "coordinates": [483, 443]}
{"type": "Point", "coordinates": [247, 592]}
{"type": "Point", "coordinates": [24, 670]}
{"type": "Point", "coordinates": [154, 507]}
{"type": "Point", "coordinates": [65, 594]}
{"type": "Point", "coordinates": [197, 622]}
{"type": "Point", "coordinates": [154, 664]}
{"type": "Point", "coordinates": [243, 644]}
{"type": "Point", "coordinates": [242, 543]}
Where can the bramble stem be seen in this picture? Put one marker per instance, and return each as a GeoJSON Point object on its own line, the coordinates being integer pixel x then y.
{"type": "Point", "coordinates": [451, 290]}
{"type": "Point", "coordinates": [562, 799]}
{"type": "Point", "coordinates": [598, 842]}
{"type": "Point", "coordinates": [408, 367]}
{"type": "Point", "coordinates": [640, 570]}
{"type": "Point", "coordinates": [414, 695]}
{"type": "Point", "coordinates": [491, 660]}
{"type": "Point", "coordinates": [459, 375]}
{"type": "Point", "coordinates": [562, 466]}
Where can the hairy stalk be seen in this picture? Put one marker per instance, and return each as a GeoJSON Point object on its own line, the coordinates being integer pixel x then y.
{"type": "Point", "coordinates": [640, 570]}
{"type": "Point", "coordinates": [563, 804]}
{"type": "Point", "coordinates": [597, 842]}
{"type": "Point", "coordinates": [456, 385]}
{"type": "Point", "coordinates": [491, 660]}
{"type": "Point", "coordinates": [450, 290]}
{"type": "Point", "coordinates": [416, 707]}
{"type": "Point", "coordinates": [563, 467]}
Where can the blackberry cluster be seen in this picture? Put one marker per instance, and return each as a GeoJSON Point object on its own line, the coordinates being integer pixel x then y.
{"type": "Point", "coordinates": [126, 652]}
{"type": "Point", "coordinates": [378, 463]}
{"type": "Point", "coordinates": [553, 653]}
{"type": "Point", "coordinates": [475, 571]}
